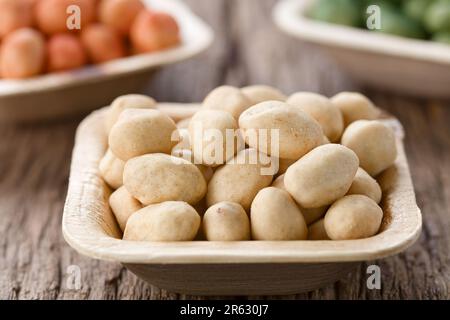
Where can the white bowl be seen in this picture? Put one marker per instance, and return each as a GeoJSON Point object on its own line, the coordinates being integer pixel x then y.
{"type": "Point", "coordinates": [76, 92]}
{"type": "Point", "coordinates": [414, 67]}
{"type": "Point", "coordinates": [227, 268]}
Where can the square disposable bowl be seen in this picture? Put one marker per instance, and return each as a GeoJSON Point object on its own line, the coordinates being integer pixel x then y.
{"type": "Point", "coordinates": [227, 268]}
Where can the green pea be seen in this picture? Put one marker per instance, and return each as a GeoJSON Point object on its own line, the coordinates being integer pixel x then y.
{"type": "Point", "coordinates": [395, 23]}
{"type": "Point", "coordinates": [389, 4]}
{"type": "Point", "coordinates": [416, 9]}
{"type": "Point", "coordinates": [443, 37]}
{"type": "Point", "coordinates": [344, 12]}
{"type": "Point", "coordinates": [437, 16]}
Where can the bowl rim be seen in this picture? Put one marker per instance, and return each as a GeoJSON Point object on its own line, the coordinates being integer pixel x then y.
{"type": "Point", "coordinates": [89, 227]}
{"type": "Point", "coordinates": [196, 36]}
{"type": "Point", "coordinates": [289, 16]}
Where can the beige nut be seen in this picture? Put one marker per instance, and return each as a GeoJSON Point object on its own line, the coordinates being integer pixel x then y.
{"type": "Point", "coordinates": [111, 169]}
{"type": "Point", "coordinates": [297, 132]}
{"type": "Point", "coordinates": [183, 124]}
{"type": "Point", "coordinates": [275, 216]}
{"type": "Point", "coordinates": [227, 98]}
{"type": "Point", "coordinates": [261, 93]}
{"type": "Point", "coordinates": [355, 106]}
{"type": "Point", "coordinates": [322, 176]}
{"type": "Point", "coordinates": [311, 215]}
{"type": "Point", "coordinates": [317, 231]}
{"type": "Point", "coordinates": [158, 177]}
{"type": "Point", "coordinates": [353, 217]}
{"type": "Point", "coordinates": [142, 131]}
{"type": "Point", "coordinates": [187, 155]}
{"type": "Point", "coordinates": [214, 137]}
{"type": "Point", "coordinates": [373, 142]}
{"type": "Point", "coordinates": [167, 221]}
{"type": "Point", "coordinates": [322, 110]}
{"type": "Point", "coordinates": [364, 184]}
{"type": "Point", "coordinates": [123, 205]}
{"type": "Point", "coordinates": [129, 101]}
{"type": "Point", "coordinates": [240, 179]}
{"type": "Point", "coordinates": [226, 221]}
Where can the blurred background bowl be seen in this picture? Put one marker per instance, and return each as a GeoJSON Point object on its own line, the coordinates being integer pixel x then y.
{"type": "Point", "coordinates": [76, 92]}
{"type": "Point", "coordinates": [409, 66]}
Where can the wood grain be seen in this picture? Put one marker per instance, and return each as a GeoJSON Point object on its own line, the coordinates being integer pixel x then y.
{"type": "Point", "coordinates": [34, 167]}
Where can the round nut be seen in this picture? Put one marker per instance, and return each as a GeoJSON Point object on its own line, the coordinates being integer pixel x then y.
{"type": "Point", "coordinates": [317, 231]}
{"type": "Point", "coordinates": [187, 155]}
{"type": "Point", "coordinates": [65, 52]}
{"type": "Point", "coordinates": [129, 101]}
{"type": "Point", "coordinates": [119, 14]}
{"type": "Point", "coordinates": [183, 124]}
{"type": "Point", "coordinates": [261, 93]}
{"type": "Point", "coordinates": [353, 217]}
{"type": "Point", "coordinates": [155, 178]}
{"type": "Point", "coordinates": [214, 136]}
{"type": "Point", "coordinates": [355, 106]}
{"type": "Point", "coordinates": [15, 14]}
{"type": "Point", "coordinates": [373, 142]}
{"type": "Point", "coordinates": [364, 184]}
{"type": "Point", "coordinates": [322, 110]}
{"type": "Point", "coordinates": [275, 216]}
{"type": "Point", "coordinates": [153, 30]}
{"type": "Point", "coordinates": [226, 221]}
{"type": "Point", "coordinates": [123, 205]}
{"type": "Point", "coordinates": [142, 131]}
{"type": "Point", "coordinates": [102, 43]}
{"type": "Point", "coordinates": [22, 54]}
{"type": "Point", "coordinates": [52, 15]}
{"type": "Point", "coordinates": [322, 176]}
{"type": "Point", "coordinates": [298, 133]}
{"type": "Point", "coordinates": [227, 98]}
{"type": "Point", "coordinates": [111, 169]}
{"type": "Point", "coordinates": [167, 221]}
{"type": "Point", "coordinates": [311, 215]}
{"type": "Point", "coordinates": [240, 179]}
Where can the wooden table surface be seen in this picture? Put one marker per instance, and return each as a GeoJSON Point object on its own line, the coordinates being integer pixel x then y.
{"type": "Point", "coordinates": [35, 159]}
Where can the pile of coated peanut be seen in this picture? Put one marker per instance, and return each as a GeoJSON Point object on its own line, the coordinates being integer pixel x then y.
{"type": "Point", "coordinates": [250, 164]}
{"type": "Point", "coordinates": [46, 36]}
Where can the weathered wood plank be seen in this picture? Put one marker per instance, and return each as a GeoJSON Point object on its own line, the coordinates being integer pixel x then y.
{"type": "Point", "coordinates": [35, 160]}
